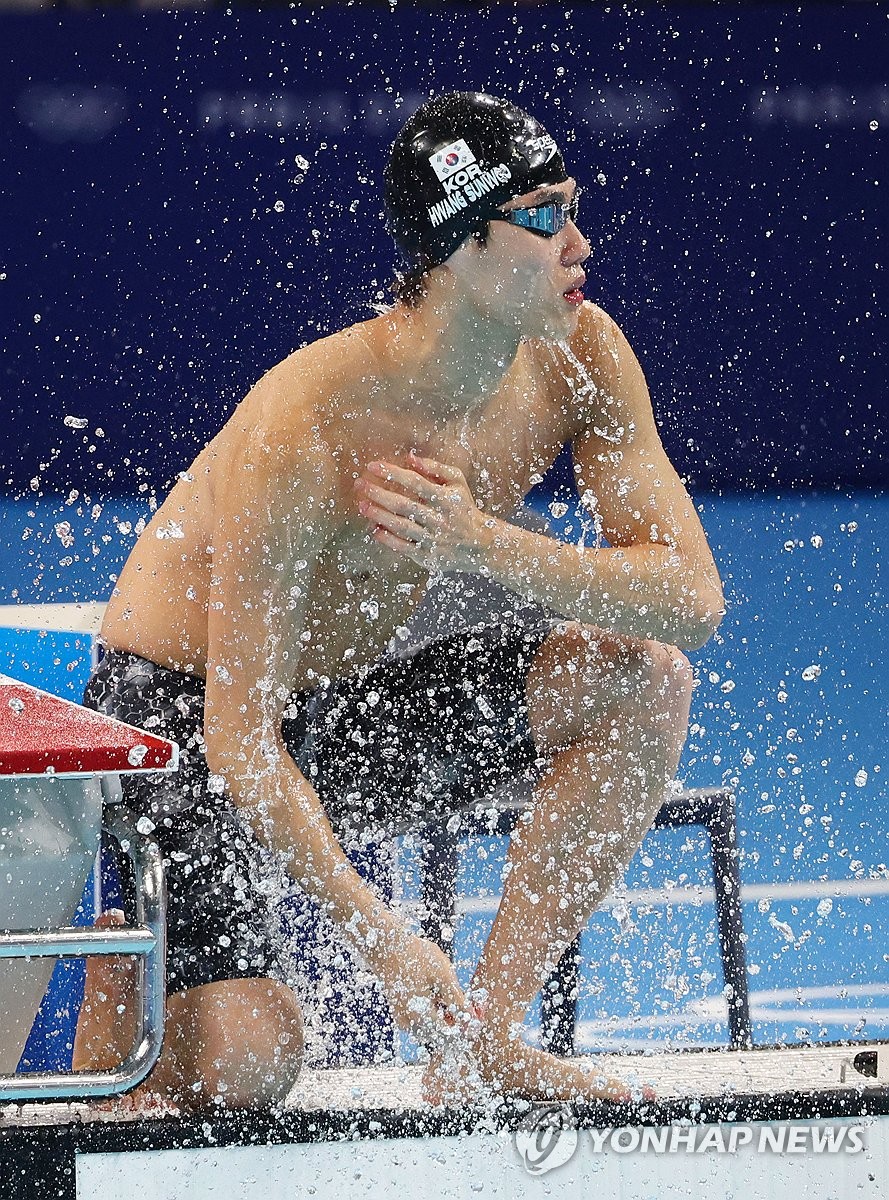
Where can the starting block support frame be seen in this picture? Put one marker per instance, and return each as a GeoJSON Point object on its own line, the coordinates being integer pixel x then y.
{"type": "Point", "coordinates": [146, 940]}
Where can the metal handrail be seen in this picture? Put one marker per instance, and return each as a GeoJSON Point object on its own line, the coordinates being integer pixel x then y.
{"type": "Point", "coordinates": [146, 939]}
{"type": "Point", "coordinates": [73, 942]}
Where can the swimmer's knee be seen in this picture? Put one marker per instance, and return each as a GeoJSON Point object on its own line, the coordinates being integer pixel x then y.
{"type": "Point", "coordinates": [235, 1044]}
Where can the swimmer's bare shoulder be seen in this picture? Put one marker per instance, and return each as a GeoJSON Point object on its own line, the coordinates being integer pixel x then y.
{"type": "Point", "coordinates": [603, 378]}
{"type": "Point", "coordinates": [270, 469]}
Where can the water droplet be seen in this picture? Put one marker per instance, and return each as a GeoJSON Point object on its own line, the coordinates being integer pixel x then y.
{"type": "Point", "coordinates": [810, 673]}
{"type": "Point", "coordinates": [64, 534]}
{"type": "Point", "coordinates": [136, 756]}
{"type": "Point", "coordinates": [782, 927]}
{"type": "Point", "coordinates": [861, 778]}
{"type": "Point", "coordinates": [17, 704]}
{"type": "Point", "coordinates": [76, 422]}
{"type": "Point", "coordinates": [172, 529]}
{"type": "Point", "coordinates": [145, 825]}
{"type": "Point", "coordinates": [279, 206]}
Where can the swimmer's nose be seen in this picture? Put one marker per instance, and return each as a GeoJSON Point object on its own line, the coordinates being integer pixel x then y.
{"type": "Point", "coordinates": [577, 249]}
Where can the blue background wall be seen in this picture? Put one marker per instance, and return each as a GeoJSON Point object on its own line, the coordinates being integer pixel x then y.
{"type": "Point", "coordinates": [734, 161]}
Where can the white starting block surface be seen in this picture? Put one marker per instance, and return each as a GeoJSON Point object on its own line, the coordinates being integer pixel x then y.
{"type": "Point", "coordinates": [53, 758]}
{"type": "Point", "coordinates": [746, 1124]}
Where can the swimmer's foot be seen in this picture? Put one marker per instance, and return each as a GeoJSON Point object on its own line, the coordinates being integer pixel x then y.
{"type": "Point", "coordinates": [106, 1025]}
{"type": "Point", "coordinates": [454, 1081]}
{"type": "Point", "coordinates": [518, 1071]}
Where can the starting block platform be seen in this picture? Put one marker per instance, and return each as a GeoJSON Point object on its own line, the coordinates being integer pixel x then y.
{"type": "Point", "coordinates": [749, 1123]}
{"type": "Point", "coordinates": [58, 762]}
{"type": "Point", "coordinates": [42, 734]}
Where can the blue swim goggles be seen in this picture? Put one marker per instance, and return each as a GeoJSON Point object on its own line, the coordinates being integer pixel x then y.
{"type": "Point", "coordinates": [546, 220]}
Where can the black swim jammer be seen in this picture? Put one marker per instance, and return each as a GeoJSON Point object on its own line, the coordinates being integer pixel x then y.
{"type": "Point", "coordinates": [394, 746]}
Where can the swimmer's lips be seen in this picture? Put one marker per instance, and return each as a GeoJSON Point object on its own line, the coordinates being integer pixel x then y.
{"type": "Point", "coordinates": [574, 294]}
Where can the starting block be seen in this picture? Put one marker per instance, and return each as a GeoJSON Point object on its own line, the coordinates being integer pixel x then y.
{"type": "Point", "coordinates": [57, 761]}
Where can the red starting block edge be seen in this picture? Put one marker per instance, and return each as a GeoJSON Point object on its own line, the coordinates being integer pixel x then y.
{"type": "Point", "coordinates": [42, 734]}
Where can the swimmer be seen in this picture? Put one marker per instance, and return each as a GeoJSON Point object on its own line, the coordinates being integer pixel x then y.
{"type": "Point", "coordinates": [254, 623]}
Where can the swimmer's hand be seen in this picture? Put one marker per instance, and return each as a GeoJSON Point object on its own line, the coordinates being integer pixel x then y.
{"type": "Point", "coordinates": [426, 512]}
{"type": "Point", "coordinates": [420, 984]}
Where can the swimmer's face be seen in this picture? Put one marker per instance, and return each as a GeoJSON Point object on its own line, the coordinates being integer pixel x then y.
{"type": "Point", "coordinates": [524, 279]}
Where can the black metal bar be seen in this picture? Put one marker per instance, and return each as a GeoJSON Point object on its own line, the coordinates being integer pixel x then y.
{"type": "Point", "coordinates": [439, 856]}
{"type": "Point", "coordinates": [727, 886]}
{"type": "Point", "coordinates": [558, 1003]}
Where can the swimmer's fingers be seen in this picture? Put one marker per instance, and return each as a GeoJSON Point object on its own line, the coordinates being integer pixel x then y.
{"type": "Point", "coordinates": [437, 470]}
{"type": "Point", "coordinates": [385, 538]}
{"type": "Point", "coordinates": [396, 503]}
{"type": "Point", "coordinates": [452, 491]}
{"type": "Point", "coordinates": [416, 484]}
{"type": "Point", "coordinates": [415, 531]}
{"type": "Point", "coordinates": [432, 480]}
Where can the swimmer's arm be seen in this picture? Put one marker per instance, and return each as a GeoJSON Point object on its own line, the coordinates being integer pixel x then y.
{"type": "Point", "coordinates": [657, 579]}
{"type": "Point", "coordinates": [270, 527]}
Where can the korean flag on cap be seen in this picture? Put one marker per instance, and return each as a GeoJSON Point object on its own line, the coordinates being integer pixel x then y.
{"type": "Point", "coordinates": [450, 159]}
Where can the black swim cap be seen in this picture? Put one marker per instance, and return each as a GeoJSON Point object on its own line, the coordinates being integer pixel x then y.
{"type": "Point", "coordinates": [458, 158]}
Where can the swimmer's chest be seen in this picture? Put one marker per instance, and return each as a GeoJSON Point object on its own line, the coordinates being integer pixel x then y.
{"type": "Point", "coordinates": [362, 592]}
